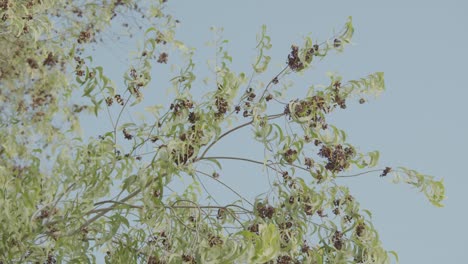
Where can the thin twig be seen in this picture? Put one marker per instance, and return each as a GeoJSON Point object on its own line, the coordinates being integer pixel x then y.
{"type": "Point", "coordinates": [106, 210]}
{"type": "Point", "coordinates": [244, 159]}
{"type": "Point", "coordinates": [225, 185]}
{"type": "Point", "coordinates": [232, 130]}
{"type": "Point", "coordinates": [358, 174]}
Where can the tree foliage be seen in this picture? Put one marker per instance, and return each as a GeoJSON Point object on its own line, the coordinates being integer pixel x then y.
{"type": "Point", "coordinates": [64, 197]}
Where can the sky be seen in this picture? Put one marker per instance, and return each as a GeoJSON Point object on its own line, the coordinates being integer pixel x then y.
{"type": "Point", "coordinates": [418, 122]}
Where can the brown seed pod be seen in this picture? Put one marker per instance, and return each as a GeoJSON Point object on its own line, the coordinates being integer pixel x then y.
{"type": "Point", "coordinates": [337, 240]}
{"type": "Point", "coordinates": [127, 135]}
{"type": "Point", "coordinates": [163, 58]}
{"type": "Point", "coordinates": [119, 99]}
{"type": "Point", "coordinates": [215, 241]}
{"type": "Point", "coordinates": [386, 171]}
{"type": "Point", "coordinates": [337, 43]}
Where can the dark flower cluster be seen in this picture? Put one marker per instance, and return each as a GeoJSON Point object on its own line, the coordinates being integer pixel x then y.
{"type": "Point", "coordinates": [251, 97]}
{"type": "Point", "coordinates": [215, 241]}
{"type": "Point", "coordinates": [119, 99]}
{"type": "Point", "coordinates": [32, 63]}
{"type": "Point", "coordinates": [337, 98]}
{"type": "Point", "coordinates": [181, 104]}
{"type": "Point", "coordinates": [265, 211]}
{"type": "Point", "coordinates": [305, 248]}
{"type": "Point", "coordinates": [337, 43]}
{"type": "Point", "coordinates": [253, 228]}
{"type": "Point", "coordinates": [188, 258]}
{"type": "Point", "coordinates": [309, 162]}
{"type": "Point", "coordinates": [386, 171]}
{"type": "Point", "coordinates": [183, 156]}
{"type": "Point", "coordinates": [221, 213]}
{"type": "Point", "coordinates": [284, 260]}
{"type": "Point", "coordinates": [294, 62]}
{"type": "Point", "coordinates": [290, 155]}
{"type": "Point", "coordinates": [79, 66]}
{"type": "Point", "coordinates": [109, 101]}
{"type": "Point", "coordinates": [285, 225]}
{"type": "Point", "coordinates": [4, 4]}
{"type": "Point", "coordinates": [161, 240]}
{"type": "Point", "coordinates": [160, 38]}
{"type": "Point", "coordinates": [51, 259]}
{"type": "Point", "coordinates": [163, 57]}
{"type": "Point", "coordinates": [222, 106]}
{"type": "Point", "coordinates": [337, 240]}
{"type": "Point", "coordinates": [338, 157]}
{"type": "Point", "coordinates": [51, 60]}
{"type": "Point", "coordinates": [127, 135]}
{"type": "Point", "coordinates": [154, 260]}
{"type": "Point", "coordinates": [311, 106]}
{"type": "Point", "coordinates": [192, 118]}
{"type": "Point", "coordinates": [85, 36]}
{"type": "Point", "coordinates": [360, 229]}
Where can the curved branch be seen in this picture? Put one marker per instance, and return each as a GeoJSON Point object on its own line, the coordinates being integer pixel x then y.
{"type": "Point", "coordinates": [225, 185]}
{"type": "Point", "coordinates": [359, 174]}
{"type": "Point", "coordinates": [271, 81]}
{"type": "Point", "coordinates": [221, 136]}
{"type": "Point", "coordinates": [244, 159]}
{"type": "Point", "coordinates": [270, 117]}
{"type": "Point", "coordinates": [103, 211]}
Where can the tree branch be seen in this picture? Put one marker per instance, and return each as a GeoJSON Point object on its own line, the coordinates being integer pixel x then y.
{"type": "Point", "coordinates": [106, 210]}
{"type": "Point", "coordinates": [232, 130]}
{"type": "Point", "coordinates": [225, 185]}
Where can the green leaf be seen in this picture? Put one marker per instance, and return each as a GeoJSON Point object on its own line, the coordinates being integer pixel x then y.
{"type": "Point", "coordinates": [267, 245]}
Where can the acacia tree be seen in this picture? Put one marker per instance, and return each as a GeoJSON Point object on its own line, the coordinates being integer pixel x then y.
{"type": "Point", "coordinates": [64, 198]}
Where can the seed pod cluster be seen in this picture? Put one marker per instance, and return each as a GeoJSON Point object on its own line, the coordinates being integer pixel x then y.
{"type": "Point", "coordinates": [290, 155]}
{"type": "Point", "coordinates": [360, 228]}
{"type": "Point", "coordinates": [294, 62]}
{"type": "Point", "coordinates": [163, 58]}
{"type": "Point", "coordinates": [337, 156]}
{"type": "Point", "coordinates": [386, 171]}
{"type": "Point", "coordinates": [221, 105]}
{"type": "Point", "coordinates": [215, 241]}
{"type": "Point", "coordinates": [253, 228]}
{"type": "Point", "coordinates": [265, 211]}
{"type": "Point", "coordinates": [85, 36]}
{"type": "Point", "coordinates": [337, 240]}
{"type": "Point", "coordinates": [189, 258]}
{"type": "Point", "coordinates": [284, 260]}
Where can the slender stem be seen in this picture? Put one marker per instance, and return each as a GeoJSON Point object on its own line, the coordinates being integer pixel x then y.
{"type": "Point", "coordinates": [171, 206]}
{"type": "Point", "coordinates": [118, 119]}
{"type": "Point", "coordinates": [106, 210]}
{"type": "Point", "coordinates": [358, 174]}
{"type": "Point", "coordinates": [244, 159]}
{"type": "Point", "coordinates": [209, 207]}
{"type": "Point", "coordinates": [232, 130]}
{"type": "Point", "coordinates": [269, 165]}
{"type": "Point", "coordinates": [223, 135]}
{"type": "Point", "coordinates": [225, 185]}
{"type": "Point", "coordinates": [271, 81]}
{"type": "Point", "coordinates": [206, 190]}
{"type": "Point", "coordinates": [113, 202]}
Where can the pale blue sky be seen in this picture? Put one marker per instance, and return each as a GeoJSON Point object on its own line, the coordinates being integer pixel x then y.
{"type": "Point", "coordinates": [419, 122]}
